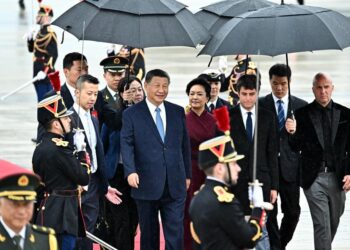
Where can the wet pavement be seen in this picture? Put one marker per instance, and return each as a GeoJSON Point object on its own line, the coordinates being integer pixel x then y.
{"type": "Point", "coordinates": [18, 112]}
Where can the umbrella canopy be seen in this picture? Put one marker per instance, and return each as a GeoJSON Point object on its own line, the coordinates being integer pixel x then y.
{"type": "Point", "coordinates": [281, 29]}
{"type": "Point", "coordinates": [214, 16]}
{"type": "Point", "coordinates": [177, 26]}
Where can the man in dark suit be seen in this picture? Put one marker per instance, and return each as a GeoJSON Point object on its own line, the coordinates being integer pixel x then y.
{"type": "Point", "coordinates": [86, 94]}
{"type": "Point", "coordinates": [279, 103]}
{"type": "Point", "coordinates": [215, 78]}
{"type": "Point", "coordinates": [321, 132]}
{"type": "Point", "coordinates": [156, 155]}
{"type": "Point", "coordinates": [243, 118]}
{"type": "Point", "coordinates": [17, 196]}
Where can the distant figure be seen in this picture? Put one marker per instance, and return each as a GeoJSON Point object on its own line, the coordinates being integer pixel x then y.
{"type": "Point", "coordinates": [44, 47]}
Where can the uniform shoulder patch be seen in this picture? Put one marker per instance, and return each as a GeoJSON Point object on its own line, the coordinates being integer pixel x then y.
{"type": "Point", "coordinates": [43, 230]}
{"type": "Point", "coordinates": [59, 142]}
{"type": "Point", "coordinates": [50, 29]}
{"type": "Point", "coordinates": [223, 195]}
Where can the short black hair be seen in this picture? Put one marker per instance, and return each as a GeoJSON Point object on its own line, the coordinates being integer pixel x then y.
{"type": "Point", "coordinates": [156, 72]}
{"type": "Point", "coordinates": [280, 70]}
{"type": "Point", "coordinates": [248, 82]}
{"type": "Point", "coordinates": [199, 81]}
{"type": "Point", "coordinates": [70, 58]}
{"type": "Point", "coordinates": [86, 78]}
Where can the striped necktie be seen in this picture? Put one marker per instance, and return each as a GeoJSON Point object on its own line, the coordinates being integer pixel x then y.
{"type": "Point", "coordinates": [281, 119]}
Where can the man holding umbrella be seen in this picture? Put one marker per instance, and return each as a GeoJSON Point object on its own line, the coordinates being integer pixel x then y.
{"type": "Point", "coordinates": [321, 133]}
{"type": "Point", "coordinates": [281, 104]}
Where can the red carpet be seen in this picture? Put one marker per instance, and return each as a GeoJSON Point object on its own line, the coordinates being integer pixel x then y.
{"type": "Point", "coordinates": [137, 240]}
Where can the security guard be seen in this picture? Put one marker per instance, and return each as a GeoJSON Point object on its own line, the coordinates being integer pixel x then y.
{"type": "Point", "coordinates": [62, 167]}
{"type": "Point", "coordinates": [217, 217]}
{"type": "Point", "coordinates": [44, 47]}
{"type": "Point", "coordinates": [17, 196]}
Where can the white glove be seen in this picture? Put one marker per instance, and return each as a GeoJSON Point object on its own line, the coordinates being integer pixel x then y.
{"type": "Point", "coordinates": [29, 35]}
{"type": "Point", "coordinates": [40, 76]}
{"type": "Point", "coordinates": [223, 64]}
{"type": "Point", "coordinates": [255, 194]}
{"type": "Point", "coordinates": [79, 140]}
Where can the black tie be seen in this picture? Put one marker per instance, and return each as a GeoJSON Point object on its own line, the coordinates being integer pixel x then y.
{"type": "Point", "coordinates": [249, 126]}
{"type": "Point", "coordinates": [17, 240]}
{"type": "Point", "coordinates": [212, 107]}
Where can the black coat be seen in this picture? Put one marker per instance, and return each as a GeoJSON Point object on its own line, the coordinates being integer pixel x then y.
{"type": "Point", "coordinates": [288, 159]}
{"type": "Point", "coordinates": [59, 169]}
{"type": "Point", "coordinates": [221, 225]}
{"type": "Point", "coordinates": [101, 171]}
{"type": "Point", "coordinates": [267, 168]}
{"type": "Point", "coordinates": [308, 139]}
{"type": "Point", "coordinates": [37, 238]}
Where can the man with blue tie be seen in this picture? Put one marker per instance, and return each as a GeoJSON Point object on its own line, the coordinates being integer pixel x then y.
{"type": "Point", "coordinates": [156, 155]}
{"type": "Point", "coordinates": [281, 105]}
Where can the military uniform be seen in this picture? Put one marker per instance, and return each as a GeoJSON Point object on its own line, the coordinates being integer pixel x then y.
{"type": "Point", "coordinates": [37, 238]}
{"type": "Point", "coordinates": [44, 47]}
{"type": "Point", "coordinates": [61, 169]}
{"type": "Point", "coordinates": [218, 219]}
{"type": "Point", "coordinates": [18, 185]}
{"type": "Point", "coordinates": [217, 216]}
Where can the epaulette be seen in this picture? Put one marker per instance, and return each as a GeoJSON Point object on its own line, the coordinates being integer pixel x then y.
{"type": "Point", "coordinates": [223, 195]}
{"type": "Point", "coordinates": [50, 232]}
{"type": "Point", "coordinates": [50, 29]}
{"type": "Point", "coordinates": [60, 142]}
{"type": "Point", "coordinates": [43, 230]}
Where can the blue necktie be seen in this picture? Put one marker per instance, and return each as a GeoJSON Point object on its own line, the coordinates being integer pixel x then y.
{"type": "Point", "coordinates": [249, 126]}
{"type": "Point", "coordinates": [159, 124]}
{"type": "Point", "coordinates": [281, 119]}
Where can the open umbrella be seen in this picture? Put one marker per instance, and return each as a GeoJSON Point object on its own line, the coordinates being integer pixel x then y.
{"type": "Point", "coordinates": [158, 23]}
{"type": "Point", "coordinates": [281, 29]}
{"type": "Point", "coordinates": [216, 15]}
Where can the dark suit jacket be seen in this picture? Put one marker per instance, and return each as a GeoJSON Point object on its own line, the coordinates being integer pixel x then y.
{"type": "Point", "coordinates": [155, 162]}
{"type": "Point", "coordinates": [103, 183]}
{"type": "Point", "coordinates": [288, 159]}
{"type": "Point", "coordinates": [267, 168]}
{"type": "Point", "coordinates": [219, 103]}
{"type": "Point", "coordinates": [308, 139]}
{"type": "Point", "coordinates": [106, 113]}
{"type": "Point", "coordinates": [37, 238]}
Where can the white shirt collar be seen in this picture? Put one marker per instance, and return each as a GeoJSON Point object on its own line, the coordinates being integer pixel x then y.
{"type": "Point", "coordinates": [245, 111]}
{"type": "Point", "coordinates": [215, 179]}
{"type": "Point", "coordinates": [111, 91]}
{"type": "Point", "coordinates": [82, 112]}
{"type": "Point", "coordinates": [11, 233]}
{"type": "Point", "coordinates": [71, 90]}
{"type": "Point", "coordinates": [153, 107]}
{"type": "Point", "coordinates": [214, 102]}
{"type": "Point", "coordinates": [284, 99]}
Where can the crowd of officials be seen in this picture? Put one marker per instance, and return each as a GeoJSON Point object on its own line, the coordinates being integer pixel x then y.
{"type": "Point", "coordinates": [114, 159]}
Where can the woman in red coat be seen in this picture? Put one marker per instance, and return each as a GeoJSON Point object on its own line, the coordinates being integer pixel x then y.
{"type": "Point", "coordinates": [201, 126]}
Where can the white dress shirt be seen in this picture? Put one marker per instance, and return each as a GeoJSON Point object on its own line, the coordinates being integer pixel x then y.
{"type": "Point", "coordinates": [152, 110]}
{"type": "Point", "coordinates": [71, 91]}
{"type": "Point", "coordinates": [244, 113]}
{"type": "Point", "coordinates": [90, 132]}
{"type": "Point", "coordinates": [112, 92]}
{"type": "Point", "coordinates": [284, 104]}
{"type": "Point", "coordinates": [214, 102]}
{"type": "Point", "coordinates": [11, 233]}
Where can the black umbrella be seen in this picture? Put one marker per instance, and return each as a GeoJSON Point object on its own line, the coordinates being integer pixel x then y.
{"type": "Point", "coordinates": [214, 16]}
{"type": "Point", "coordinates": [281, 29]}
{"type": "Point", "coordinates": [159, 25]}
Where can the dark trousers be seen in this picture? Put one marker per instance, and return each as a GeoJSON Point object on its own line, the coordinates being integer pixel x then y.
{"type": "Point", "coordinates": [172, 215]}
{"type": "Point", "coordinates": [123, 218]}
{"type": "Point", "coordinates": [290, 196]}
{"type": "Point", "coordinates": [90, 208]}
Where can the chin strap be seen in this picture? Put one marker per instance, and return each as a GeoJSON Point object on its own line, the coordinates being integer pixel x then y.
{"type": "Point", "coordinates": [229, 182]}
{"type": "Point", "coordinates": [64, 131]}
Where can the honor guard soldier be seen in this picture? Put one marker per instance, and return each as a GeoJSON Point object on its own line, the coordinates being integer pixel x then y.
{"type": "Point", "coordinates": [243, 66]}
{"type": "Point", "coordinates": [217, 217]}
{"type": "Point", "coordinates": [17, 197]}
{"type": "Point", "coordinates": [44, 47]}
{"type": "Point", "coordinates": [62, 167]}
